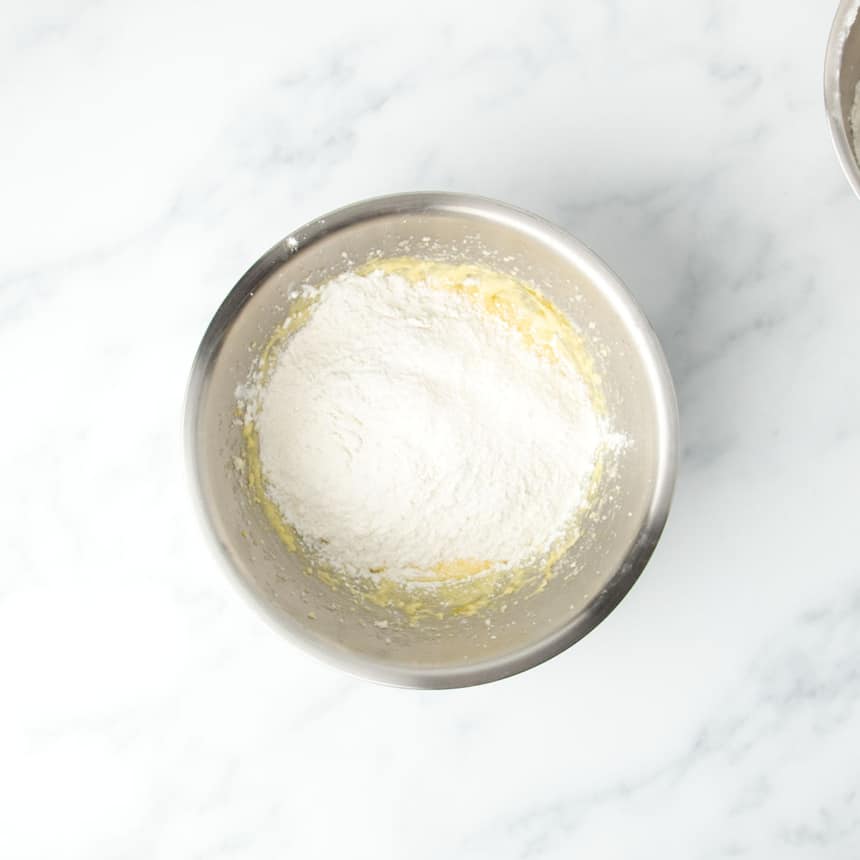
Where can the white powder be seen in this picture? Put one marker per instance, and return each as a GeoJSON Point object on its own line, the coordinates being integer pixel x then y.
{"type": "Point", "coordinates": [403, 427]}
{"type": "Point", "coordinates": [855, 122]}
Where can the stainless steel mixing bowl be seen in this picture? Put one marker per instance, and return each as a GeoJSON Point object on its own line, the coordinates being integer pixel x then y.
{"type": "Point", "coordinates": [841, 74]}
{"type": "Point", "coordinates": [594, 575]}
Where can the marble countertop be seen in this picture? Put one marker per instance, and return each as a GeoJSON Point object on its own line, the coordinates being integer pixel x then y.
{"type": "Point", "coordinates": [150, 153]}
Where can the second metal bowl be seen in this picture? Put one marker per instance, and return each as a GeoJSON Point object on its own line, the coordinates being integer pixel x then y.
{"type": "Point", "coordinates": [841, 75]}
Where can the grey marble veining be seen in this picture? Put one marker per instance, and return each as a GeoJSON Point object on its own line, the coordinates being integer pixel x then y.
{"type": "Point", "coordinates": [151, 153]}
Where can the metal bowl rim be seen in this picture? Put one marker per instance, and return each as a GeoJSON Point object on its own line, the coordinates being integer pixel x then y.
{"type": "Point", "coordinates": [605, 280]}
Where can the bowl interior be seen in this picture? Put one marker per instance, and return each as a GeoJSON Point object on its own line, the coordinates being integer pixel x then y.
{"type": "Point", "coordinates": [621, 531]}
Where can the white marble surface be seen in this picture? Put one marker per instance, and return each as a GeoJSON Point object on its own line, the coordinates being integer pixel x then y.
{"type": "Point", "coordinates": [150, 152]}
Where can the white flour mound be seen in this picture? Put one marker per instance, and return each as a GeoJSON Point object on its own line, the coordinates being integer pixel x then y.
{"type": "Point", "coordinates": [403, 427]}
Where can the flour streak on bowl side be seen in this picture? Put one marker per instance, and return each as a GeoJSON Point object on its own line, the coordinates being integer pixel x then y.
{"type": "Point", "coordinates": [623, 526]}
